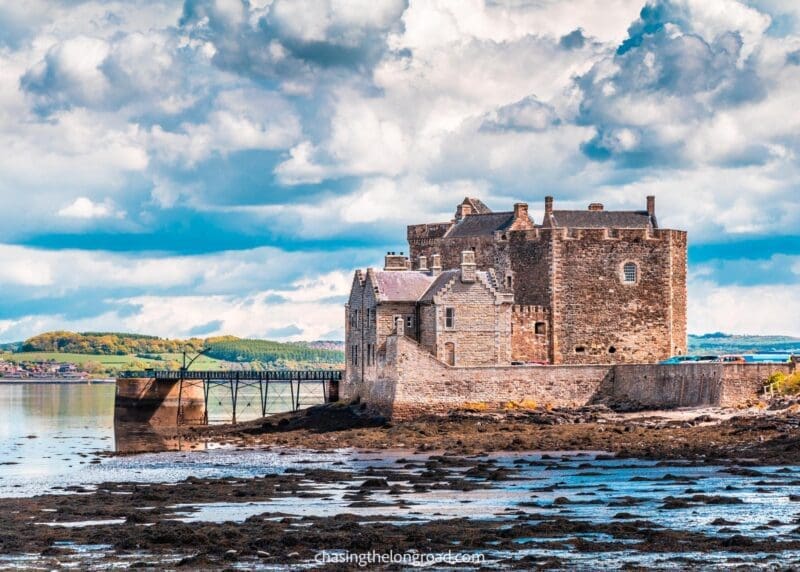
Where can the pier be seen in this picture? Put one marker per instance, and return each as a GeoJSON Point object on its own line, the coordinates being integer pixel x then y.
{"type": "Point", "coordinates": [181, 397]}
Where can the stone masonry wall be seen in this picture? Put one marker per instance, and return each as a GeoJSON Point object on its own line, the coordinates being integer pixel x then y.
{"type": "Point", "coordinates": [412, 382]}
{"type": "Point", "coordinates": [598, 318]}
{"type": "Point", "coordinates": [528, 345]}
{"type": "Point", "coordinates": [482, 331]}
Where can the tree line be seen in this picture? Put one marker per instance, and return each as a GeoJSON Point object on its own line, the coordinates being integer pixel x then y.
{"type": "Point", "coordinates": [227, 348]}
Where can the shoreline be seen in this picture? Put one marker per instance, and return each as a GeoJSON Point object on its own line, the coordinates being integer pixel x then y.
{"type": "Point", "coordinates": [56, 381]}
{"type": "Point", "coordinates": [759, 436]}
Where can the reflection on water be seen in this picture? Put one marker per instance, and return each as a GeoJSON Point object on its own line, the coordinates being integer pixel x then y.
{"type": "Point", "coordinates": [49, 433]}
{"type": "Point", "coordinates": [47, 430]}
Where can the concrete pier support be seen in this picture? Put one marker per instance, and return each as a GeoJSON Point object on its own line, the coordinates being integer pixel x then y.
{"type": "Point", "coordinates": [145, 400]}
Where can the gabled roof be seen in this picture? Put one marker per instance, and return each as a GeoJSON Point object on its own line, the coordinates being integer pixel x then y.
{"type": "Point", "coordinates": [439, 283]}
{"type": "Point", "coordinates": [400, 285]}
{"type": "Point", "coordinates": [478, 206]}
{"type": "Point", "coordinates": [601, 219]}
{"type": "Point", "coordinates": [480, 224]}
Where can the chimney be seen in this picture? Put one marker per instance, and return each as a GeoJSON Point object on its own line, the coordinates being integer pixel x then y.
{"type": "Point", "coordinates": [595, 207]}
{"type": "Point", "coordinates": [399, 326]}
{"type": "Point", "coordinates": [467, 266]}
{"type": "Point", "coordinates": [423, 263]}
{"type": "Point", "coordinates": [548, 206]}
{"type": "Point", "coordinates": [464, 209]}
{"type": "Point", "coordinates": [436, 265]}
{"type": "Point", "coordinates": [651, 205]}
{"type": "Point", "coordinates": [521, 219]}
{"type": "Point", "coordinates": [395, 261]}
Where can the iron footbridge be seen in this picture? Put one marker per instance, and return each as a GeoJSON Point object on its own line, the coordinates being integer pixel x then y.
{"type": "Point", "coordinates": [272, 385]}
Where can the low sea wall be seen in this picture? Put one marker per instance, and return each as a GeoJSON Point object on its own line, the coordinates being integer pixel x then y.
{"type": "Point", "coordinates": [412, 382]}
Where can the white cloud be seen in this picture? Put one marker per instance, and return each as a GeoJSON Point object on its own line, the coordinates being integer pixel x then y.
{"type": "Point", "coordinates": [83, 207]}
{"type": "Point", "coordinates": [242, 119]}
{"type": "Point", "coordinates": [756, 310]}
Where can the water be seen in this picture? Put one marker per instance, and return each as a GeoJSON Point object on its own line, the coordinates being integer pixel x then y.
{"type": "Point", "coordinates": [54, 436]}
{"type": "Point", "coordinates": [59, 434]}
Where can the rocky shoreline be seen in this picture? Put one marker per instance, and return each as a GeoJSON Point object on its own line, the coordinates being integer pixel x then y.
{"type": "Point", "coordinates": [379, 506]}
{"type": "Point", "coordinates": [757, 435]}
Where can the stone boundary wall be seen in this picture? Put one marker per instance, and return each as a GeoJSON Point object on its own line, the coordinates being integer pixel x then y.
{"type": "Point", "coordinates": [412, 382]}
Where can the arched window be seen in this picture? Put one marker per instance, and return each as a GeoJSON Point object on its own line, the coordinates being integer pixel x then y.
{"type": "Point", "coordinates": [450, 353]}
{"type": "Point", "coordinates": [630, 273]}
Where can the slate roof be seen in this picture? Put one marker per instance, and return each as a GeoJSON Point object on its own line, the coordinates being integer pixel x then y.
{"type": "Point", "coordinates": [438, 284]}
{"type": "Point", "coordinates": [401, 285]}
{"type": "Point", "coordinates": [478, 206]}
{"type": "Point", "coordinates": [602, 219]}
{"type": "Point", "coordinates": [481, 224]}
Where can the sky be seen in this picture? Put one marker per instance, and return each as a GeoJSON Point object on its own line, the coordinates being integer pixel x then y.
{"type": "Point", "coordinates": [222, 166]}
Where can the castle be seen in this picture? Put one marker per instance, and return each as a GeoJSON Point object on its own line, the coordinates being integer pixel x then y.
{"type": "Point", "coordinates": [497, 288]}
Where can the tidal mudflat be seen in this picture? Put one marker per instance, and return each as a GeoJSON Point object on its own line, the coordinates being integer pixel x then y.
{"type": "Point", "coordinates": [587, 489]}
{"type": "Point", "coordinates": [524, 510]}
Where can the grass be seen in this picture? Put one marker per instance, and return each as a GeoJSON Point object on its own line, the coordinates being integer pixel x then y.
{"type": "Point", "coordinates": [785, 384]}
{"type": "Point", "coordinates": [115, 361]}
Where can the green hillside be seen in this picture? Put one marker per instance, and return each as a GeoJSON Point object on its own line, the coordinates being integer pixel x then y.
{"type": "Point", "coordinates": [109, 352]}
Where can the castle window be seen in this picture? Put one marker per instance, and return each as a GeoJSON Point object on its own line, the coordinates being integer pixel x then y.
{"type": "Point", "coordinates": [508, 281]}
{"type": "Point", "coordinates": [450, 353]}
{"type": "Point", "coordinates": [449, 318]}
{"type": "Point", "coordinates": [354, 355]}
{"type": "Point", "coordinates": [612, 350]}
{"type": "Point", "coordinates": [540, 328]}
{"type": "Point", "coordinates": [630, 273]}
{"type": "Point", "coordinates": [409, 323]}
{"type": "Point", "coordinates": [580, 350]}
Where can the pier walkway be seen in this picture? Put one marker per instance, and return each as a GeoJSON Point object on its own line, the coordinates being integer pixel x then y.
{"type": "Point", "coordinates": [270, 384]}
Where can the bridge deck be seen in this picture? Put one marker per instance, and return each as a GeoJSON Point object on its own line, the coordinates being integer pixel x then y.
{"type": "Point", "coordinates": [328, 378]}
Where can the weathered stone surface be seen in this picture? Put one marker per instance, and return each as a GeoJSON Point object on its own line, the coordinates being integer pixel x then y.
{"type": "Point", "coordinates": [411, 382]}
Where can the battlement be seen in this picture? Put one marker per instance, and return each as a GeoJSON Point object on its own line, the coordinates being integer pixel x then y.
{"type": "Point", "coordinates": [526, 310]}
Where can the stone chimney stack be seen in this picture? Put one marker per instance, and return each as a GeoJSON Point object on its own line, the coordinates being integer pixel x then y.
{"type": "Point", "coordinates": [651, 205]}
{"type": "Point", "coordinates": [595, 207]}
{"type": "Point", "coordinates": [464, 209]}
{"type": "Point", "coordinates": [399, 326]}
{"type": "Point", "coordinates": [521, 219]}
{"type": "Point", "coordinates": [548, 206]}
{"type": "Point", "coordinates": [436, 264]}
{"type": "Point", "coordinates": [468, 266]}
{"type": "Point", "coordinates": [394, 261]}
{"type": "Point", "coordinates": [423, 263]}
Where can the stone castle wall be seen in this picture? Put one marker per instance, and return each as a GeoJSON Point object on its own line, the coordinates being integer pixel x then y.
{"type": "Point", "coordinates": [577, 275]}
{"type": "Point", "coordinates": [530, 334]}
{"type": "Point", "coordinates": [411, 382]}
{"type": "Point", "coordinates": [482, 331]}
{"type": "Point", "coordinates": [598, 317]}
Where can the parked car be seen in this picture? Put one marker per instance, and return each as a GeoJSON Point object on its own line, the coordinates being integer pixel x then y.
{"type": "Point", "coordinates": [674, 360]}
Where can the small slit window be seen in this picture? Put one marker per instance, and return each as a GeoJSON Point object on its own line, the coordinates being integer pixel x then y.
{"type": "Point", "coordinates": [630, 273]}
{"type": "Point", "coordinates": [540, 328]}
{"type": "Point", "coordinates": [580, 350]}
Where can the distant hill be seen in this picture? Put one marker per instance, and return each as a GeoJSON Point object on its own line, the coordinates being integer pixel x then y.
{"type": "Point", "coordinates": [107, 343]}
{"type": "Point", "coordinates": [326, 345]}
{"type": "Point", "coordinates": [226, 348]}
{"type": "Point", "coordinates": [270, 353]}
{"type": "Point", "coordinates": [721, 343]}
{"type": "Point", "coordinates": [10, 346]}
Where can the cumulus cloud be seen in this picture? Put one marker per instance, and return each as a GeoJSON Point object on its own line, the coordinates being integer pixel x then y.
{"type": "Point", "coordinates": [321, 125]}
{"type": "Point", "coordinates": [83, 207]}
